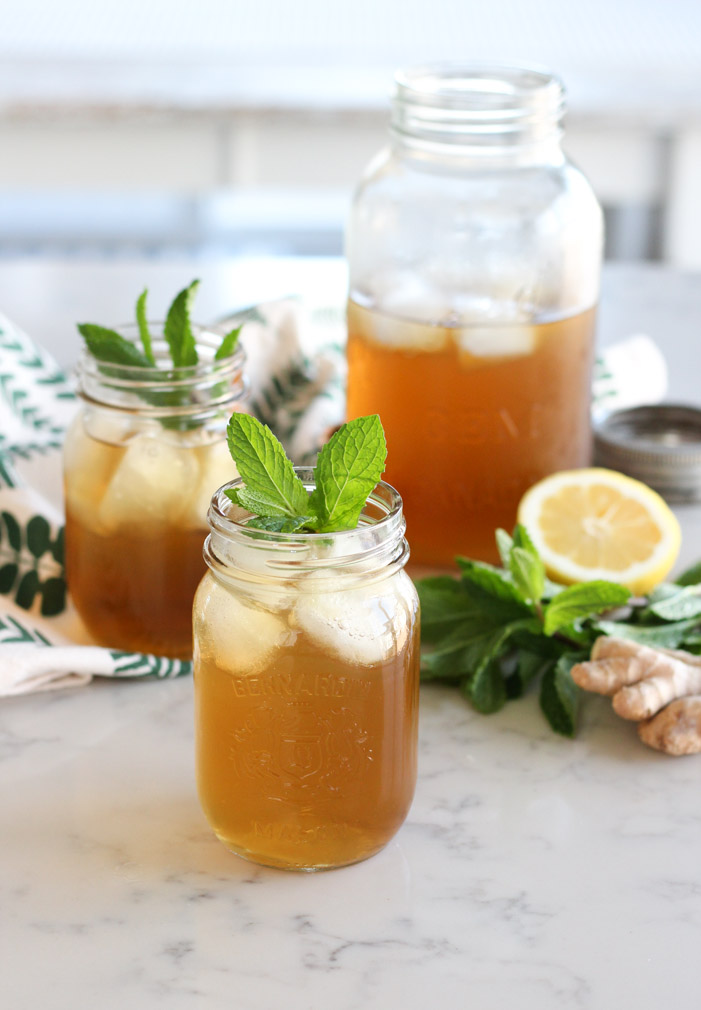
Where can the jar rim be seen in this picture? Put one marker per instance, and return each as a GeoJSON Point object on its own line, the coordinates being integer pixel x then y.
{"type": "Point", "coordinates": [165, 390]}
{"type": "Point", "coordinates": [221, 505]}
{"type": "Point", "coordinates": [370, 551]}
{"type": "Point", "coordinates": [477, 104]}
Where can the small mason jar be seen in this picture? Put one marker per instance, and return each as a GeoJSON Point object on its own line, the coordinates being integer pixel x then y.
{"type": "Point", "coordinates": [474, 251]}
{"type": "Point", "coordinates": [141, 462]}
{"type": "Point", "coordinates": [306, 686]}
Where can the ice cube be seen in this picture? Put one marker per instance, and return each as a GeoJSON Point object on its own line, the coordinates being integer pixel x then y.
{"type": "Point", "coordinates": [88, 466]}
{"type": "Point", "coordinates": [410, 316]}
{"type": "Point", "coordinates": [236, 635]}
{"type": "Point", "coordinates": [152, 483]}
{"type": "Point", "coordinates": [496, 341]}
{"type": "Point", "coordinates": [363, 626]}
{"type": "Point", "coordinates": [216, 467]}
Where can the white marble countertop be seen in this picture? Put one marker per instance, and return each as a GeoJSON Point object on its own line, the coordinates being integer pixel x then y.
{"type": "Point", "coordinates": [533, 873]}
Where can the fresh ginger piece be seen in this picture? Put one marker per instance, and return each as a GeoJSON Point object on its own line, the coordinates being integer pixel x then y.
{"type": "Point", "coordinates": [617, 663]}
{"type": "Point", "coordinates": [672, 679]}
{"type": "Point", "coordinates": [676, 729]}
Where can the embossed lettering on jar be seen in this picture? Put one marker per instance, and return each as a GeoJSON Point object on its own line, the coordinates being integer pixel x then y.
{"type": "Point", "coordinates": [306, 687]}
{"type": "Point", "coordinates": [141, 462]}
{"type": "Point", "coordinates": [474, 251]}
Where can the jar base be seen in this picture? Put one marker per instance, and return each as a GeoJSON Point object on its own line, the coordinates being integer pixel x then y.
{"type": "Point", "coordinates": [261, 859]}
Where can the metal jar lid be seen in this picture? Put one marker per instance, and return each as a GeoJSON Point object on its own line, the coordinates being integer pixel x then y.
{"type": "Point", "coordinates": [660, 445]}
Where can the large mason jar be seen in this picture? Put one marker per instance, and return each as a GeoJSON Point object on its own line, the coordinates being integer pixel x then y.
{"type": "Point", "coordinates": [141, 462]}
{"type": "Point", "coordinates": [474, 249]}
{"type": "Point", "coordinates": [306, 686]}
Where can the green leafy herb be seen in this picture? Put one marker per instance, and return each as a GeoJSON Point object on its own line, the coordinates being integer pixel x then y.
{"type": "Point", "coordinates": [265, 469]}
{"type": "Point", "coordinates": [495, 631]}
{"type": "Point", "coordinates": [349, 467]}
{"type": "Point", "coordinates": [143, 326]}
{"type": "Point", "coordinates": [178, 329]}
{"type": "Point", "coordinates": [559, 695]}
{"type": "Point", "coordinates": [582, 600]}
{"type": "Point", "coordinates": [110, 346]}
{"type": "Point", "coordinates": [229, 343]}
{"type": "Point", "coordinates": [691, 577]}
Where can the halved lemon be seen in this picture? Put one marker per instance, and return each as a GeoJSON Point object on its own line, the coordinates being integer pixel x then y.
{"type": "Point", "coordinates": [598, 524]}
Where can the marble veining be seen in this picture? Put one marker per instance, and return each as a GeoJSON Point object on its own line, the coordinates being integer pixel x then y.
{"type": "Point", "coordinates": [533, 872]}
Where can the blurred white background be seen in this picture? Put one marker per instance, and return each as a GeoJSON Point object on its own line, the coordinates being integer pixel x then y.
{"type": "Point", "coordinates": [153, 127]}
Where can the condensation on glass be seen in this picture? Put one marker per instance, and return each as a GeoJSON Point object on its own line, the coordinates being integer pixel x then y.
{"type": "Point", "coordinates": [474, 249]}
{"type": "Point", "coordinates": [306, 686]}
{"type": "Point", "coordinates": [141, 462]}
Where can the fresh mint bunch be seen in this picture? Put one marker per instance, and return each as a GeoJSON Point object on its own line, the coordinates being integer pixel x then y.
{"type": "Point", "coordinates": [495, 631]}
{"type": "Point", "coordinates": [348, 468]}
{"type": "Point", "coordinates": [111, 347]}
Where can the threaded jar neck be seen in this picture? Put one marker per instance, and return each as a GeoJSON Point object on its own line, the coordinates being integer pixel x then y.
{"type": "Point", "coordinates": [163, 391]}
{"type": "Point", "coordinates": [479, 108]}
{"type": "Point", "coordinates": [240, 553]}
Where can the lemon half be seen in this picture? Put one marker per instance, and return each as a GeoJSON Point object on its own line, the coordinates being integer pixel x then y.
{"type": "Point", "coordinates": [599, 524]}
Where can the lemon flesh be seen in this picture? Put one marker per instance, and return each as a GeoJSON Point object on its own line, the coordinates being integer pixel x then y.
{"type": "Point", "coordinates": [599, 524]}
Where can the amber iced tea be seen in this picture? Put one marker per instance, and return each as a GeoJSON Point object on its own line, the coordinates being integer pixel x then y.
{"type": "Point", "coordinates": [473, 415]}
{"type": "Point", "coordinates": [135, 525]}
{"type": "Point", "coordinates": [306, 717]}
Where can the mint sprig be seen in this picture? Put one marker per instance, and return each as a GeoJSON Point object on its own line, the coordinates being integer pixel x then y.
{"type": "Point", "coordinates": [111, 347]}
{"type": "Point", "coordinates": [495, 631]}
{"type": "Point", "coordinates": [349, 466]}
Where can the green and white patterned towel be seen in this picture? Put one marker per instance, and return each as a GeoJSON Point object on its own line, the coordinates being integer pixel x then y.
{"type": "Point", "coordinates": [296, 367]}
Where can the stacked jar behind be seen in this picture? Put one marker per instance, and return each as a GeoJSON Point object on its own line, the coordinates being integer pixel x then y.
{"type": "Point", "coordinates": [141, 462]}
{"type": "Point", "coordinates": [474, 250]}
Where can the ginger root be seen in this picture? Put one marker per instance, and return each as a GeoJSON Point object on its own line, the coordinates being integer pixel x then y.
{"type": "Point", "coordinates": [676, 729]}
{"type": "Point", "coordinates": [659, 688]}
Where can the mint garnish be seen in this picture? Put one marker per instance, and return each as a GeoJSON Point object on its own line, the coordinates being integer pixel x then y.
{"type": "Point", "coordinates": [177, 329]}
{"type": "Point", "coordinates": [349, 467]}
{"type": "Point", "coordinates": [229, 343]}
{"type": "Point", "coordinates": [111, 347]}
{"type": "Point", "coordinates": [143, 326]}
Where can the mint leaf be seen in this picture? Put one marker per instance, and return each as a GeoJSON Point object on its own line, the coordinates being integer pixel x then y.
{"type": "Point", "coordinates": [529, 667]}
{"type": "Point", "coordinates": [486, 690]}
{"type": "Point", "coordinates": [691, 576]}
{"type": "Point", "coordinates": [347, 470]}
{"type": "Point", "coordinates": [228, 344]}
{"type": "Point", "coordinates": [522, 539]}
{"type": "Point", "coordinates": [583, 600]}
{"type": "Point", "coordinates": [559, 695]}
{"type": "Point", "coordinates": [491, 580]}
{"type": "Point", "coordinates": [143, 326]}
{"type": "Point", "coordinates": [110, 346]}
{"type": "Point", "coordinates": [528, 573]}
{"type": "Point", "coordinates": [683, 604]}
{"type": "Point", "coordinates": [504, 545]}
{"type": "Point", "coordinates": [264, 467]}
{"type": "Point", "coordinates": [662, 636]}
{"type": "Point", "coordinates": [177, 329]}
{"type": "Point", "coordinates": [279, 524]}
{"type": "Point", "coordinates": [444, 604]}
{"type": "Point", "coordinates": [259, 504]}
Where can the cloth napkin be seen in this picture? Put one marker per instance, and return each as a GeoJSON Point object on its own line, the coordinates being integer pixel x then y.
{"type": "Point", "coordinates": [296, 366]}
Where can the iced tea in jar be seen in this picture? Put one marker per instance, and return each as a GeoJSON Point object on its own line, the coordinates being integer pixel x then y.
{"type": "Point", "coordinates": [474, 250]}
{"type": "Point", "coordinates": [141, 462]}
{"type": "Point", "coordinates": [306, 686]}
